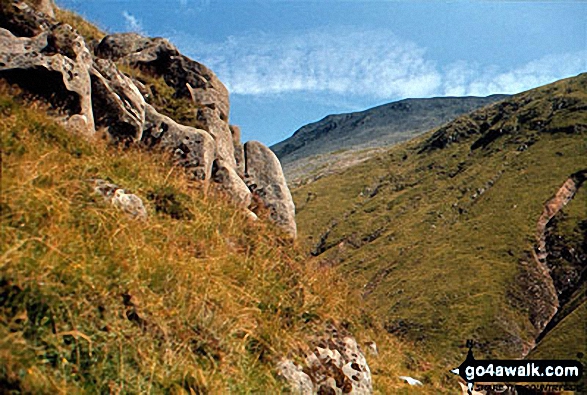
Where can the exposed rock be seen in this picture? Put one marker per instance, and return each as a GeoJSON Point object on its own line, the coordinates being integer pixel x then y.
{"type": "Point", "coordinates": [54, 64]}
{"type": "Point", "coordinates": [189, 78]}
{"type": "Point", "coordinates": [220, 131]}
{"type": "Point", "coordinates": [563, 196]}
{"type": "Point", "coordinates": [264, 177]}
{"type": "Point", "coordinates": [251, 215]}
{"type": "Point", "coordinates": [44, 6]}
{"type": "Point", "coordinates": [117, 102]}
{"type": "Point", "coordinates": [192, 148]}
{"type": "Point", "coordinates": [119, 45]}
{"type": "Point", "coordinates": [239, 150]}
{"type": "Point", "coordinates": [300, 382]}
{"type": "Point", "coordinates": [127, 202]}
{"type": "Point", "coordinates": [230, 182]}
{"type": "Point", "coordinates": [372, 348]}
{"type": "Point", "coordinates": [336, 366]}
{"type": "Point", "coordinates": [23, 20]}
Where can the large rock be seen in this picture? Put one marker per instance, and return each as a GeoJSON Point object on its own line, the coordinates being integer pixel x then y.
{"type": "Point", "coordinates": [54, 64]}
{"type": "Point", "coordinates": [264, 177]}
{"type": "Point", "coordinates": [117, 103]}
{"type": "Point", "coordinates": [231, 183]}
{"type": "Point", "coordinates": [336, 365]}
{"type": "Point", "coordinates": [221, 133]}
{"type": "Point", "coordinates": [189, 78]}
{"type": "Point", "coordinates": [192, 148]}
{"type": "Point", "coordinates": [44, 6]}
{"type": "Point", "coordinates": [239, 151]}
{"type": "Point", "coordinates": [23, 20]}
{"type": "Point", "coordinates": [130, 203]}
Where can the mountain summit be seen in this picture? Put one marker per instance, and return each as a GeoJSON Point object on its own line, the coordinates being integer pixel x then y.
{"type": "Point", "coordinates": [376, 127]}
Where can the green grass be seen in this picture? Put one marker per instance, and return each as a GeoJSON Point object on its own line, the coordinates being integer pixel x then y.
{"type": "Point", "coordinates": [437, 260]}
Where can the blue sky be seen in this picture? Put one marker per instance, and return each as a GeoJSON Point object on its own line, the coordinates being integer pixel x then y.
{"type": "Point", "coordinates": [291, 62]}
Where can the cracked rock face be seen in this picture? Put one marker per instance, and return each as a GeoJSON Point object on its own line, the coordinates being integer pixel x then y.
{"type": "Point", "coordinates": [335, 366]}
{"type": "Point", "coordinates": [55, 64]}
{"type": "Point", "coordinates": [264, 177]}
{"type": "Point", "coordinates": [189, 78]}
{"type": "Point", "coordinates": [117, 103]}
{"type": "Point", "coordinates": [192, 148]}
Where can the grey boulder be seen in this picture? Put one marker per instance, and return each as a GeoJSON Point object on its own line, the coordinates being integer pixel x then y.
{"type": "Point", "coordinates": [265, 179]}
{"type": "Point", "coordinates": [54, 64]}
{"type": "Point", "coordinates": [117, 103]}
{"type": "Point", "coordinates": [192, 148]}
{"type": "Point", "coordinates": [231, 183]}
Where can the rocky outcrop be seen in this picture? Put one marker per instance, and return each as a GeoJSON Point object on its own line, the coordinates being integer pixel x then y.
{"type": "Point", "coordinates": [51, 59]}
{"type": "Point", "coordinates": [218, 129]}
{"type": "Point", "coordinates": [46, 7]}
{"type": "Point", "coordinates": [239, 150]}
{"type": "Point", "coordinates": [191, 148]}
{"type": "Point", "coordinates": [55, 64]}
{"type": "Point", "coordinates": [117, 103]}
{"type": "Point", "coordinates": [189, 78]}
{"type": "Point", "coordinates": [264, 177]}
{"type": "Point", "coordinates": [336, 365]}
{"type": "Point", "coordinates": [23, 20]}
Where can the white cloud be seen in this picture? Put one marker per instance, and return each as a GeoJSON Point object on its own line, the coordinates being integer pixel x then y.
{"type": "Point", "coordinates": [370, 63]}
{"type": "Point", "coordinates": [374, 64]}
{"type": "Point", "coordinates": [133, 24]}
{"type": "Point", "coordinates": [462, 79]}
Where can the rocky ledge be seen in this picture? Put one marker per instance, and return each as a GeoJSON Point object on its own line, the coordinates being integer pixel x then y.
{"type": "Point", "coordinates": [51, 59]}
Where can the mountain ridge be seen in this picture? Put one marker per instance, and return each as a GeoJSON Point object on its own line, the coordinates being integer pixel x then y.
{"type": "Point", "coordinates": [375, 127]}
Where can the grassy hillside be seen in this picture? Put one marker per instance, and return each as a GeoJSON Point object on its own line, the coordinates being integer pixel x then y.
{"type": "Point", "coordinates": [438, 232]}
{"type": "Point", "coordinates": [195, 300]}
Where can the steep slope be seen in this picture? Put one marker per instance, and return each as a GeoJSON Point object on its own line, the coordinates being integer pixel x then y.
{"type": "Point", "coordinates": [376, 127]}
{"type": "Point", "coordinates": [194, 296]}
{"type": "Point", "coordinates": [440, 233]}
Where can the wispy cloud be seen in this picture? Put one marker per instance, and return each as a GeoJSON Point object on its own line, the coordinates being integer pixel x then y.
{"type": "Point", "coordinates": [465, 79]}
{"type": "Point", "coordinates": [375, 64]}
{"type": "Point", "coordinates": [133, 24]}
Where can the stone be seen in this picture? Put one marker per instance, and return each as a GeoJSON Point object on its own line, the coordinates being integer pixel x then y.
{"type": "Point", "coordinates": [231, 183]}
{"type": "Point", "coordinates": [251, 216]}
{"type": "Point", "coordinates": [130, 203]}
{"type": "Point", "coordinates": [44, 6]}
{"type": "Point", "coordinates": [189, 78]}
{"type": "Point", "coordinates": [117, 103]}
{"type": "Point", "coordinates": [54, 64]}
{"type": "Point", "coordinates": [220, 131]}
{"type": "Point", "coordinates": [372, 348]}
{"type": "Point", "coordinates": [299, 381]}
{"type": "Point", "coordinates": [192, 148]}
{"type": "Point", "coordinates": [239, 151]}
{"type": "Point", "coordinates": [264, 177]}
{"type": "Point", "coordinates": [117, 46]}
{"type": "Point", "coordinates": [335, 366]}
{"type": "Point", "coordinates": [22, 19]}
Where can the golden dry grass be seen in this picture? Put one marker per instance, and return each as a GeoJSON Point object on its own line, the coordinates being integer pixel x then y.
{"type": "Point", "coordinates": [195, 300]}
